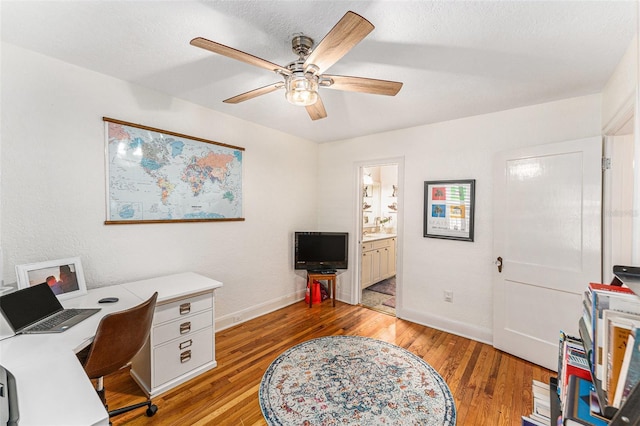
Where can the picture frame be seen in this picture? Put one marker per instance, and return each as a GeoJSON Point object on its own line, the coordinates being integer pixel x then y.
{"type": "Point", "coordinates": [449, 209]}
{"type": "Point", "coordinates": [64, 276]}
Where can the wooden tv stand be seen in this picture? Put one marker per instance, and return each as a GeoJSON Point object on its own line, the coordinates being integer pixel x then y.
{"type": "Point", "coordinates": [331, 284]}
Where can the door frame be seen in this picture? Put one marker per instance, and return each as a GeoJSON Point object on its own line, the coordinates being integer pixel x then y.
{"type": "Point", "coordinates": [613, 213]}
{"type": "Point", "coordinates": [356, 290]}
{"type": "Point", "coordinates": [626, 118]}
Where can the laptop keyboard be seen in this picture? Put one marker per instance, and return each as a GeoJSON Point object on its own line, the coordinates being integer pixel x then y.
{"type": "Point", "coordinates": [55, 320]}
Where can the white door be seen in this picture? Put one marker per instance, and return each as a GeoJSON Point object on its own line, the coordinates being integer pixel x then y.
{"type": "Point", "coordinates": [547, 210]}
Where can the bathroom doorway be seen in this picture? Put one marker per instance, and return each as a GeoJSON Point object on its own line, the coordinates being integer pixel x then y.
{"type": "Point", "coordinates": [379, 237]}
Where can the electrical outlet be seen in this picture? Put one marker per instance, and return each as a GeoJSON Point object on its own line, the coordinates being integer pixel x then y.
{"type": "Point", "coordinates": [448, 296]}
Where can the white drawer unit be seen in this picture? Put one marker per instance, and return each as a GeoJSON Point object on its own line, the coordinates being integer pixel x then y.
{"type": "Point", "coordinates": [181, 343]}
{"type": "Point", "coordinates": [179, 357]}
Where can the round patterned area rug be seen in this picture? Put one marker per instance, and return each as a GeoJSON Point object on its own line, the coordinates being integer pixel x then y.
{"type": "Point", "coordinates": [353, 380]}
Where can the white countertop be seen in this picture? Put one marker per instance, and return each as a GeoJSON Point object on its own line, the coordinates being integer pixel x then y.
{"type": "Point", "coordinates": [376, 236]}
{"type": "Point", "coordinates": [172, 286]}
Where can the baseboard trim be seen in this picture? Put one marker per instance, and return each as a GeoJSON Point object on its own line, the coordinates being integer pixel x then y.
{"type": "Point", "coordinates": [458, 328]}
{"type": "Point", "coordinates": [469, 331]}
{"type": "Point", "coordinates": [256, 311]}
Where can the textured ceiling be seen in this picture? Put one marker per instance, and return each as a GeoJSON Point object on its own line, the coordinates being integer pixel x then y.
{"type": "Point", "coordinates": [455, 58]}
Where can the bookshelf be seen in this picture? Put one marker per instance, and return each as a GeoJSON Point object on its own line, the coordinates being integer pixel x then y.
{"type": "Point", "coordinates": [627, 415]}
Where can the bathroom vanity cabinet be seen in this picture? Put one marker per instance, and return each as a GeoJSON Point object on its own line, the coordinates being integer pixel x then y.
{"type": "Point", "coordinates": [378, 260]}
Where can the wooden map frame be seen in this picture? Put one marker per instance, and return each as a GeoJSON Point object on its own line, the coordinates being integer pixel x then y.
{"type": "Point", "coordinates": [191, 139]}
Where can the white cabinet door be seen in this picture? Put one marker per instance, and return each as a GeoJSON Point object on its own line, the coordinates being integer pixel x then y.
{"type": "Point", "coordinates": [392, 257]}
{"type": "Point", "coordinates": [375, 265]}
{"type": "Point", "coordinates": [547, 210]}
{"type": "Point", "coordinates": [367, 259]}
{"type": "Point", "coordinates": [384, 262]}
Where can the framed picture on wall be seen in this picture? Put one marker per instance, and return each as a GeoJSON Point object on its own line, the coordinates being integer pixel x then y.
{"type": "Point", "coordinates": [449, 209]}
{"type": "Point", "coordinates": [64, 276]}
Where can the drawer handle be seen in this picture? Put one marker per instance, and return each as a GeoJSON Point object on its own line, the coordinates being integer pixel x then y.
{"type": "Point", "coordinates": [185, 356]}
{"type": "Point", "coordinates": [185, 308]}
{"type": "Point", "coordinates": [186, 344]}
{"type": "Point", "coordinates": [185, 327]}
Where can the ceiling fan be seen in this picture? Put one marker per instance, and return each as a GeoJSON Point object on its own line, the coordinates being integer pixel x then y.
{"type": "Point", "coordinates": [305, 75]}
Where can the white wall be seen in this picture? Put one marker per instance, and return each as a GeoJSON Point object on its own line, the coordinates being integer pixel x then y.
{"type": "Point", "coordinates": [620, 99]}
{"type": "Point", "coordinates": [459, 149]}
{"type": "Point", "coordinates": [636, 157]}
{"type": "Point", "coordinates": [618, 95]}
{"type": "Point", "coordinates": [53, 188]}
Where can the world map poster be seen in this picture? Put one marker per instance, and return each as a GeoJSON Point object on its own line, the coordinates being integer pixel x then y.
{"type": "Point", "coordinates": [159, 176]}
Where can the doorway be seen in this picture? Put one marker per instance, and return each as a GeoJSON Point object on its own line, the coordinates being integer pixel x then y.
{"type": "Point", "coordinates": [379, 212]}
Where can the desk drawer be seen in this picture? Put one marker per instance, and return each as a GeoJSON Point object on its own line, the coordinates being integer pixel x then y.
{"type": "Point", "coordinates": [181, 327]}
{"type": "Point", "coordinates": [180, 356]}
{"type": "Point", "coordinates": [183, 307]}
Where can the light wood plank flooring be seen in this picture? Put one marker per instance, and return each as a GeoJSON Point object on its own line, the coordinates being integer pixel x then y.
{"type": "Point", "coordinates": [490, 387]}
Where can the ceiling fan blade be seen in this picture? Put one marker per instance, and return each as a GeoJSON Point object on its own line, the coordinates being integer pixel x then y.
{"type": "Point", "coordinates": [348, 32]}
{"type": "Point", "coordinates": [239, 55]}
{"type": "Point", "coordinates": [364, 85]}
{"type": "Point", "coordinates": [254, 93]}
{"type": "Point", "coordinates": [317, 111]}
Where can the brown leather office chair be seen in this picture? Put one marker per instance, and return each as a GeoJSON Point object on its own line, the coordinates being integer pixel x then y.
{"type": "Point", "coordinates": [119, 337]}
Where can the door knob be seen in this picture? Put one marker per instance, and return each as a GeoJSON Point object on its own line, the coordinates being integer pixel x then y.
{"type": "Point", "coordinates": [498, 263]}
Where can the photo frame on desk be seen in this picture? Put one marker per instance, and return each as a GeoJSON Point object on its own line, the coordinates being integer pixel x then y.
{"type": "Point", "coordinates": [449, 209]}
{"type": "Point", "coordinates": [64, 276]}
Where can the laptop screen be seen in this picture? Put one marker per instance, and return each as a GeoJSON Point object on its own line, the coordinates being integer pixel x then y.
{"type": "Point", "coordinates": [29, 305]}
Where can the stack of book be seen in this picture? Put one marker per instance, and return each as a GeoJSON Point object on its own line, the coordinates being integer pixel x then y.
{"type": "Point", "coordinates": [629, 375]}
{"type": "Point", "coordinates": [578, 398]}
{"type": "Point", "coordinates": [572, 361]}
{"type": "Point", "coordinates": [541, 413]}
{"type": "Point", "coordinates": [614, 319]}
{"type": "Point", "coordinates": [598, 370]}
{"type": "Point", "coordinates": [581, 406]}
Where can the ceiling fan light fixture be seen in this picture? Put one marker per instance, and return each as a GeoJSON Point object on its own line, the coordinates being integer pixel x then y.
{"type": "Point", "coordinates": [301, 89]}
{"type": "Point", "coordinates": [303, 76]}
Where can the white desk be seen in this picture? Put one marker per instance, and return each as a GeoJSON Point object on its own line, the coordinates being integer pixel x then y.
{"type": "Point", "coordinates": [53, 388]}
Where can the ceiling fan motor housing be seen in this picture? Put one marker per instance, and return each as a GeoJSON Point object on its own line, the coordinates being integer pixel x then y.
{"type": "Point", "coordinates": [301, 45]}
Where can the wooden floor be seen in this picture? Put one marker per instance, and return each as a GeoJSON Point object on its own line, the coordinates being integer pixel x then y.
{"type": "Point", "coordinates": [490, 387]}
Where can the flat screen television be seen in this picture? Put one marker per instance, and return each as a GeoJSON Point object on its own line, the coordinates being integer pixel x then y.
{"type": "Point", "coordinates": [321, 251]}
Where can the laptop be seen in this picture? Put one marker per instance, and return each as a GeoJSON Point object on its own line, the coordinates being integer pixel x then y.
{"type": "Point", "coordinates": [36, 310]}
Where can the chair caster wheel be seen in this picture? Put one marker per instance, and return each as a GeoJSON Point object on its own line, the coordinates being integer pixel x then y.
{"type": "Point", "coordinates": [153, 409]}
